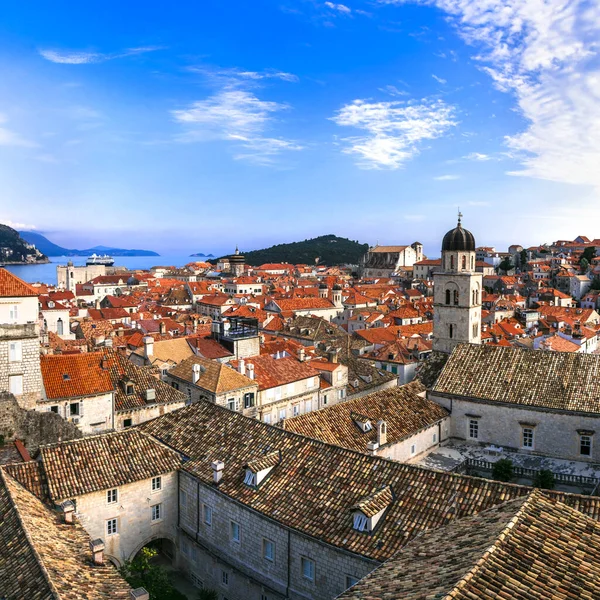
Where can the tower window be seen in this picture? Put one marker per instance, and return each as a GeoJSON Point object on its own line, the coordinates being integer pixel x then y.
{"type": "Point", "coordinates": [450, 331]}
{"type": "Point", "coordinates": [455, 296]}
{"type": "Point", "coordinates": [447, 296]}
{"type": "Point", "coordinates": [475, 329]}
{"type": "Point", "coordinates": [464, 263]}
{"type": "Point", "coordinates": [452, 263]}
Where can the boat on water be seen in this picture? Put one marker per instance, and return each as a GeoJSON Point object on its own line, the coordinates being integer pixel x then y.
{"type": "Point", "coordinates": [98, 259]}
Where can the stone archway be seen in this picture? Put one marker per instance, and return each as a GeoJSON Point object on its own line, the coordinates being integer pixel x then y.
{"type": "Point", "coordinates": [165, 545]}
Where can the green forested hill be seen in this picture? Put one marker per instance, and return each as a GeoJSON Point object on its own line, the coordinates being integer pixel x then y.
{"type": "Point", "coordinates": [329, 249]}
{"type": "Point", "coordinates": [13, 248]}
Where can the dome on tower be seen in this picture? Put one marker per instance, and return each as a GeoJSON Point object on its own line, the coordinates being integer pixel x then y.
{"type": "Point", "coordinates": [458, 239]}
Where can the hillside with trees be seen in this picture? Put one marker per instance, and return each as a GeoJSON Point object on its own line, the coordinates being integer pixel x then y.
{"type": "Point", "coordinates": [14, 249]}
{"type": "Point", "coordinates": [328, 249]}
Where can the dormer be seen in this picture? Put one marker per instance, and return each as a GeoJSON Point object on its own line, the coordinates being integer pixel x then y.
{"type": "Point", "coordinates": [362, 421]}
{"type": "Point", "coordinates": [368, 512]}
{"type": "Point", "coordinates": [257, 470]}
{"type": "Point", "coordinates": [128, 385]}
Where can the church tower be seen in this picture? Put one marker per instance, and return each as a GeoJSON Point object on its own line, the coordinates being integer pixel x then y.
{"type": "Point", "coordinates": [457, 292]}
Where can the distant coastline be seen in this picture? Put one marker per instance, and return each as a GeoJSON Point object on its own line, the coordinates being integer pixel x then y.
{"type": "Point", "coordinates": [23, 263]}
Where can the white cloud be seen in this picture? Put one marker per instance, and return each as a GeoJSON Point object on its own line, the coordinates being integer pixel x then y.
{"type": "Point", "coordinates": [342, 8]}
{"type": "Point", "coordinates": [447, 177]}
{"type": "Point", "coordinates": [11, 138]}
{"type": "Point", "coordinates": [392, 90]}
{"type": "Point", "coordinates": [239, 77]}
{"type": "Point", "coordinates": [439, 79]}
{"type": "Point", "coordinates": [477, 156]}
{"type": "Point", "coordinates": [17, 226]}
{"type": "Point", "coordinates": [238, 116]}
{"type": "Point", "coordinates": [545, 53]}
{"type": "Point", "coordinates": [66, 57]}
{"type": "Point", "coordinates": [392, 130]}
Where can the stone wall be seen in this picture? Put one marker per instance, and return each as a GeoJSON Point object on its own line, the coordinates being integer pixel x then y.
{"type": "Point", "coordinates": [33, 428]}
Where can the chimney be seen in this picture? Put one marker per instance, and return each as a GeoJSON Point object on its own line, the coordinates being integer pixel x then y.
{"type": "Point", "coordinates": [195, 373]}
{"type": "Point", "coordinates": [250, 371]}
{"type": "Point", "coordinates": [139, 594]}
{"type": "Point", "coordinates": [104, 364]}
{"type": "Point", "coordinates": [68, 509]}
{"type": "Point", "coordinates": [97, 304]}
{"type": "Point", "coordinates": [301, 354]}
{"type": "Point", "coordinates": [372, 447]}
{"type": "Point", "coordinates": [381, 432]}
{"type": "Point", "coordinates": [217, 468]}
{"type": "Point", "coordinates": [97, 548]}
{"type": "Point", "coordinates": [241, 366]}
{"type": "Point", "coordinates": [148, 346]}
{"type": "Point", "coordinates": [108, 342]}
{"type": "Point", "coordinates": [162, 328]}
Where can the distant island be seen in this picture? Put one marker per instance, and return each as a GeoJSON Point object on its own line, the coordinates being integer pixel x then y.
{"type": "Point", "coordinates": [44, 245]}
{"type": "Point", "coordinates": [199, 254]}
{"type": "Point", "coordinates": [328, 249]}
{"type": "Point", "coordinates": [15, 250]}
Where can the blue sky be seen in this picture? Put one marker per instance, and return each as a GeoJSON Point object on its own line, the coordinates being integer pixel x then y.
{"type": "Point", "coordinates": [198, 125]}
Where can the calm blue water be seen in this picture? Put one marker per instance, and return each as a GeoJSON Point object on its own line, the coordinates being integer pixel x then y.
{"type": "Point", "coordinates": [47, 273]}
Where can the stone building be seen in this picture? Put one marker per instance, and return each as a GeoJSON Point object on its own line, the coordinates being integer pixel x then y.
{"type": "Point", "coordinates": [383, 261]}
{"type": "Point", "coordinates": [68, 277]}
{"type": "Point", "coordinates": [457, 292]}
{"type": "Point", "coordinates": [19, 340]}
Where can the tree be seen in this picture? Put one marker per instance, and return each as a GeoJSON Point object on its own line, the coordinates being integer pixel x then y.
{"type": "Point", "coordinates": [583, 265]}
{"type": "Point", "coordinates": [207, 594]}
{"type": "Point", "coordinates": [588, 254]}
{"type": "Point", "coordinates": [141, 572]}
{"type": "Point", "coordinates": [523, 255]}
{"type": "Point", "coordinates": [506, 265]}
{"type": "Point", "coordinates": [502, 470]}
{"type": "Point", "coordinates": [595, 283]}
{"type": "Point", "coordinates": [544, 480]}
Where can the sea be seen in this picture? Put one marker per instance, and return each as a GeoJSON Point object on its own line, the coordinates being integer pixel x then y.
{"type": "Point", "coordinates": [46, 273]}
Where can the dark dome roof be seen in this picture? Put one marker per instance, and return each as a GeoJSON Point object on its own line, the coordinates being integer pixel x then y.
{"type": "Point", "coordinates": [323, 286]}
{"type": "Point", "coordinates": [337, 286]}
{"type": "Point", "coordinates": [458, 239]}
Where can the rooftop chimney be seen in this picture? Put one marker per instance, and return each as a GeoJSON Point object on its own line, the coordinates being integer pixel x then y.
{"type": "Point", "coordinates": [68, 509]}
{"type": "Point", "coordinates": [381, 432]}
{"type": "Point", "coordinates": [372, 447]}
{"type": "Point", "coordinates": [104, 364]}
{"type": "Point", "coordinates": [162, 328]}
{"type": "Point", "coordinates": [195, 373]}
{"type": "Point", "coordinates": [250, 371]}
{"type": "Point", "coordinates": [301, 354]}
{"type": "Point", "coordinates": [217, 468]}
{"type": "Point", "coordinates": [241, 366]}
{"type": "Point", "coordinates": [139, 594]}
{"type": "Point", "coordinates": [148, 346]}
{"type": "Point", "coordinates": [108, 342]}
{"type": "Point", "coordinates": [97, 548]}
{"type": "Point", "coordinates": [97, 305]}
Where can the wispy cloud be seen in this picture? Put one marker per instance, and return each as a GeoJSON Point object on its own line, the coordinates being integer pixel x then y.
{"type": "Point", "coordinates": [82, 57]}
{"type": "Point", "coordinates": [241, 77]}
{"type": "Point", "coordinates": [16, 225]}
{"type": "Point", "coordinates": [238, 116]}
{"type": "Point", "coordinates": [8, 137]}
{"type": "Point", "coordinates": [447, 177]}
{"type": "Point", "coordinates": [341, 8]}
{"type": "Point", "coordinates": [544, 53]}
{"type": "Point", "coordinates": [392, 90]}
{"type": "Point", "coordinates": [477, 156]}
{"type": "Point", "coordinates": [392, 131]}
{"type": "Point", "coordinates": [439, 79]}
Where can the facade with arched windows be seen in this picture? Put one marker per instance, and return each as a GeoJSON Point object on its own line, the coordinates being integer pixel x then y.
{"type": "Point", "coordinates": [457, 293]}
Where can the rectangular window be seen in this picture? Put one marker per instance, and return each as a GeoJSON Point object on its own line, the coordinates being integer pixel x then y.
{"type": "Point", "coordinates": [157, 512]}
{"type": "Point", "coordinates": [14, 313]}
{"type": "Point", "coordinates": [156, 484]}
{"type": "Point", "coordinates": [585, 445]}
{"type": "Point", "coordinates": [342, 393]}
{"type": "Point", "coordinates": [54, 409]}
{"type": "Point", "coordinates": [308, 406]}
{"type": "Point", "coordinates": [224, 577]}
{"type": "Point", "coordinates": [268, 550]}
{"type": "Point", "coordinates": [74, 409]}
{"type": "Point", "coordinates": [434, 438]}
{"type": "Point", "coordinates": [296, 410]}
{"type": "Point", "coordinates": [360, 521]}
{"type": "Point", "coordinates": [231, 404]}
{"type": "Point", "coordinates": [308, 568]}
{"type": "Point", "coordinates": [325, 399]}
{"type": "Point", "coordinates": [527, 437]}
{"type": "Point", "coordinates": [413, 450]}
{"type": "Point", "coordinates": [281, 414]}
{"type": "Point", "coordinates": [340, 376]}
{"type": "Point", "coordinates": [234, 531]}
{"type": "Point", "coordinates": [126, 423]}
{"type": "Point", "coordinates": [111, 527]}
{"type": "Point", "coordinates": [112, 496]}
{"type": "Point", "coordinates": [249, 400]}
{"type": "Point", "coordinates": [15, 384]}
{"type": "Point", "coordinates": [207, 514]}
{"type": "Point", "coordinates": [473, 429]}
{"type": "Point", "coordinates": [267, 418]}
{"type": "Point", "coordinates": [182, 499]}
{"type": "Point", "coordinates": [15, 352]}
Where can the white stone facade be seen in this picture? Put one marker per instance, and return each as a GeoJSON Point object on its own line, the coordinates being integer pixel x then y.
{"type": "Point", "coordinates": [69, 276]}
{"type": "Point", "coordinates": [92, 414]}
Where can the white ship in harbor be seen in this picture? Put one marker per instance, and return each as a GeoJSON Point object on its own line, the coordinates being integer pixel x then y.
{"type": "Point", "coordinates": [98, 259]}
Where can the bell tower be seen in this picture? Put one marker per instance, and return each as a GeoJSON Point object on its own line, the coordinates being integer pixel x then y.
{"type": "Point", "coordinates": [457, 292]}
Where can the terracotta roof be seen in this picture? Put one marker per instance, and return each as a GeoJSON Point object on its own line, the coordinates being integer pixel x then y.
{"type": "Point", "coordinates": [287, 304]}
{"type": "Point", "coordinates": [173, 350]}
{"type": "Point", "coordinates": [527, 549]}
{"type": "Point", "coordinates": [29, 475]}
{"type": "Point", "coordinates": [13, 287]}
{"type": "Point", "coordinates": [210, 348]}
{"type": "Point", "coordinates": [375, 502]}
{"type": "Point", "coordinates": [403, 410]}
{"type": "Point", "coordinates": [43, 559]}
{"type": "Point", "coordinates": [388, 249]}
{"type": "Point", "coordinates": [214, 376]}
{"type": "Point", "coordinates": [74, 375]}
{"type": "Point", "coordinates": [271, 372]}
{"type": "Point", "coordinates": [559, 380]}
{"type": "Point", "coordinates": [104, 461]}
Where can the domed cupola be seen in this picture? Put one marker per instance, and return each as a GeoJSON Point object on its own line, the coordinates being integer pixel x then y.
{"type": "Point", "coordinates": [458, 239]}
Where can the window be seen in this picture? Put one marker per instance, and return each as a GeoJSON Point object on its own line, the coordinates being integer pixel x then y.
{"type": "Point", "coordinates": [231, 404]}
{"type": "Point", "coordinates": [59, 327]}
{"type": "Point", "coordinates": [475, 329]}
{"type": "Point", "coordinates": [182, 499]}
{"type": "Point", "coordinates": [15, 384]}
{"type": "Point", "coordinates": [14, 313]}
{"type": "Point", "coordinates": [126, 423]}
{"type": "Point", "coordinates": [249, 400]}
{"type": "Point", "coordinates": [296, 410]}
{"type": "Point", "coordinates": [452, 263]}
{"type": "Point", "coordinates": [234, 531]}
{"type": "Point", "coordinates": [74, 409]}
{"type": "Point", "coordinates": [455, 297]}
{"type": "Point", "coordinates": [157, 512]}
{"type": "Point", "coordinates": [413, 450]}
{"type": "Point", "coordinates": [267, 418]}
{"type": "Point", "coordinates": [450, 331]}
{"type": "Point", "coordinates": [281, 414]}
{"type": "Point", "coordinates": [360, 522]}
{"type": "Point", "coordinates": [112, 496]}
{"type": "Point", "coordinates": [464, 263]}
{"type": "Point", "coordinates": [207, 514]}
{"type": "Point", "coordinates": [434, 438]}
{"type": "Point", "coordinates": [15, 352]}
{"type": "Point", "coordinates": [527, 437]}
{"type": "Point", "coordinates": [250, 478]}
{"type": "Point", "coordinates": [111, 527]}
{"type": "Point", "coordinates": [350, 581]}
{"type": "Point", "coordinates": [197, 581]}
{"type": "Point", "coordinates": [447, 296]}
{"type": "Point", "coordinates": [224, 577]}
{"type": "Point", "coordinates": [156, 484]}
{"type": "Point", "coordinates": [308, 568]}
{"type": "Point", "coordinates": [129, 389]}
{"type": "Point", "coordinates": [342, 394]}
{"type": "Point", "coordinates": [54, 409]}
{"type": "Point", "coordinates": [325, 400]}
{"type": "Point", "coordinates": [268, 550]}
{"type": "Point", "coordinates": [585, 445]}
{"type": "Point", "coordinates": [185, 548]}
{"type": "Point", "coordinates": [308, 406]}
{"type": "Point", "coordinates": [473, 429]}
{"type": "Point", "coordinates": [340, 376]}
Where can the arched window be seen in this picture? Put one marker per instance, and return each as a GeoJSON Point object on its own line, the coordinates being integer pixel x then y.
{"type": "Point", "coordinates": [455, 296]}
{"type": "Point", "coordinates": [450, 331]}
{"type": "Point", "coordinates": [464, 263]}
{"type": "Point", "coordinates": [475, 329]}
{"type": "Point", "coordinates": [59, 326]}
{"type": "Point", "coordinates": [472, 263]}
{"type": "Point", "coordinates": [447, 296]}
{"type": "Point", "coordinates": [451, 262]}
